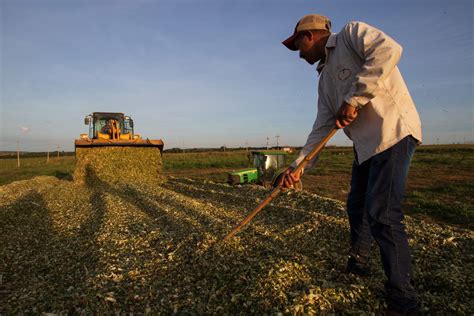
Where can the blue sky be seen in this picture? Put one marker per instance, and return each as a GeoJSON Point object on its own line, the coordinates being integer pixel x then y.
{"type": "Point", "coordinates": [212, 72]}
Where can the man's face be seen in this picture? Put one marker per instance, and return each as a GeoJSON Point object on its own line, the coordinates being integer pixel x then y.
{"type": "Point", "coordinates": [308, 44]}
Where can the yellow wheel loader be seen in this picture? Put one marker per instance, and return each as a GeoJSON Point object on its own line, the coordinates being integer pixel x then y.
{"type": "Point", "coordinates": [111, 153]}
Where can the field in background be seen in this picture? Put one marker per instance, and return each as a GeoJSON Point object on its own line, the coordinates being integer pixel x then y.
{"type": "Point", "coordinates": [62, 167]}
{"type": "Point", "coordinates": [440, 186]}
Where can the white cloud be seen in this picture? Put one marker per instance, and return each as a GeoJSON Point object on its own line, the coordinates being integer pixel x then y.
{"type": "Point", "coordinates": [24, 129]}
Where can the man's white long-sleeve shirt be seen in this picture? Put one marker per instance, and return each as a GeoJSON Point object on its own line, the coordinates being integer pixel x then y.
{"type": "Point", "coordinates": [361, 69]}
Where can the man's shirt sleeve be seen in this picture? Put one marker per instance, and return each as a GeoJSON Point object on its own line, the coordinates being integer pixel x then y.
{"type": "Point", "coordinates": [325, 121]}
{"type": "Point", "coordinates": [379, 54]}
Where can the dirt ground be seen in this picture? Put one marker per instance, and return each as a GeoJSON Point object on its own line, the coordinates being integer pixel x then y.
{"type": "Point", "coordinates": [337, 186]}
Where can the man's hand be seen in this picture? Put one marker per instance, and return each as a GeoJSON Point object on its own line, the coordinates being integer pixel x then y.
{"type": "Point", "coordinates": [346, 114]}
{"type": "Point", "coordinates": [287, 179]}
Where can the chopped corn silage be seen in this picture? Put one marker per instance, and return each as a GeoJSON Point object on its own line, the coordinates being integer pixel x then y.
{"type": "Point", "coordinates": [119, 164]}
{"type": "Point", "coordinates": [70, 248]}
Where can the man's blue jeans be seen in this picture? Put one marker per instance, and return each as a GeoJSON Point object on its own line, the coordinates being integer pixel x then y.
{"type": "Point", "coordinates": [374, 209]}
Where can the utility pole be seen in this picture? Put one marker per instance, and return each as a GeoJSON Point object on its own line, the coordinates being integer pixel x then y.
{"type": "Point", "coordinates": [267, 142]}
{"type": "Point", "coordinates": [18, 152]}
{"type": "Point", "coordinates": [58, 151]}
{"type": "Point", "coordinates": [277, 137]}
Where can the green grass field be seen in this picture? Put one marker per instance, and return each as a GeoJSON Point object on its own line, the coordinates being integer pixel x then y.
{"type": "Point", "coordinates": [62, 167]}
{"type": "Point", "coordinates": [440, 185]}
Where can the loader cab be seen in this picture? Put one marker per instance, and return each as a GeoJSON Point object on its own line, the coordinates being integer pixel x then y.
{"type": "Point", "coordinates": [99, 122]}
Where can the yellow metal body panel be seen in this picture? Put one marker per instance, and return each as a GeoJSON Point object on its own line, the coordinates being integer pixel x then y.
{"type": "Point", "coordinates": [103, 135]}
{"type": "Point", "coordinates": [126, 136]}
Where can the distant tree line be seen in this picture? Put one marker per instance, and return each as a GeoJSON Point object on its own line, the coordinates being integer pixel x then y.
{"type": "Point", "coordinates": [222, 148]}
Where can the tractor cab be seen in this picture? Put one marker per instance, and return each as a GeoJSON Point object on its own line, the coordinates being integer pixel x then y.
{"type": "Point", "coordinates": [104, 125]}
{"type": "Point", "coordinates": [267, 165]}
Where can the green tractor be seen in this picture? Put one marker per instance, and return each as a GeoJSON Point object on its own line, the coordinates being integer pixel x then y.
{"type": "Point", "coordinates": [267, 166]}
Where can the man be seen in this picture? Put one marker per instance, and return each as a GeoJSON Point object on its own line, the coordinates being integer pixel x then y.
{"type": "Point", "coordinates": [107, 127]}
{"type": "Point", "coordinates": [362, 91]}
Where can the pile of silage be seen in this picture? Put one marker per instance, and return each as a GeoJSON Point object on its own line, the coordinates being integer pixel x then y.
{"type": "Point", "coordinates": [68, 248]}
{"type": "Point", "coordinates": [119, 165]}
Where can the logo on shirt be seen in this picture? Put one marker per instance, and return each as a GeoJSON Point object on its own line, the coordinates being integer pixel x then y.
{"type": "Point", "coordinates": [344, 74]}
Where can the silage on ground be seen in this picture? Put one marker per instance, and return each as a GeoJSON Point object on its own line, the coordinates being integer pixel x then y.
{"type": "Point", "coordinates": [145, 249]}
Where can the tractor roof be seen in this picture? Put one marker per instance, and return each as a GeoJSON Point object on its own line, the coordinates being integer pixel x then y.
{"type": "Point", "coordinates": [107, 114]}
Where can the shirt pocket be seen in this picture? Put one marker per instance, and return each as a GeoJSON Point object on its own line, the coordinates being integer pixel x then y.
{"type": "Point", "coordinates": [345, 73]}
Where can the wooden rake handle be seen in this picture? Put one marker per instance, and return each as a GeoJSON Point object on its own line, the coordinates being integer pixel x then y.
{"type": "Point", "coordinates": [278, 189]}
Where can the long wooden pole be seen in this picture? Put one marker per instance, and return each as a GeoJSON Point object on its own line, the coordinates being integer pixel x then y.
{"type": "Point", "coordinates": [278, 189]}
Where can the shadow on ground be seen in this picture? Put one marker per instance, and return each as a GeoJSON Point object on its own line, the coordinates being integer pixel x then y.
{"type": "Point", "coordinates": [103, 248]}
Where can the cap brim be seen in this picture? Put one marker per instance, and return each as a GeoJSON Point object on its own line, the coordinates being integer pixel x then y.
{"type": "Point", "coordinates": [290, 42]}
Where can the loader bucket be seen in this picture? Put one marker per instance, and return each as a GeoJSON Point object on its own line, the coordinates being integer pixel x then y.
{"type": "Point", "coordinates": [124, 162]}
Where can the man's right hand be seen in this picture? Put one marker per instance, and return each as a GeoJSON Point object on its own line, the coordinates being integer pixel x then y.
{"type": "Point", "coordinates": [287, 179]}
{"type": "Point", "coordinates": [346, 115]}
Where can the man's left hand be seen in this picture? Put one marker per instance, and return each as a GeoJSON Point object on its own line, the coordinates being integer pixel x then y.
{"type": "Point", "coordinates": [287, 179]}
{"type": "Point", "coordinates": [346, 114]}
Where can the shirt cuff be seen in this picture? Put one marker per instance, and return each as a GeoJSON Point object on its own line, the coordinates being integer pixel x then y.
{"type": "Point", "coordinates": [294, 164]}
{"type": "Point", "coordinates": [357, 102]}
{"type": "Point", "coordinates": [298, 160]}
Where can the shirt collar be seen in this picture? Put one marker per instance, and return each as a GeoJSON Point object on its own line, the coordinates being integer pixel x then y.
{"type": "Point", "coordinates": [331, 43]}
